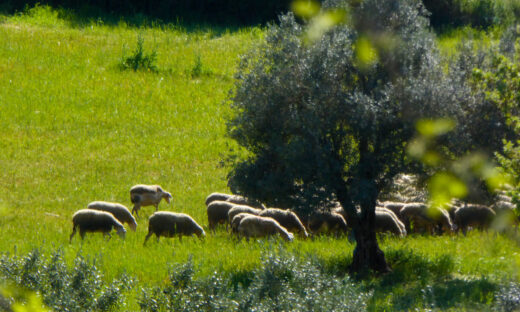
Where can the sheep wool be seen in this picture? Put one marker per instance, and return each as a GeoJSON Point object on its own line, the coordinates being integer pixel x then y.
{"type": "Point", "coordinates": [255, 226]}
{"type": "Point", "coordinates": [147, 195]}
{"type": "Point", "coordinates": [241, 209]}
{"type": "Point", "coordinates": [327, 222]}
{"type": "Point", "coordinates": [89, 220]}
{"type": "Point", "coordinates": [218, 212]}
{"type": "Point", "coordinates": [286, 218]}
{"type": "Point", "coordinates": [120, 212]}
{"type": "Point", "coordinates": [170, 224]}
{"type": "Point", "coordinates": [217, 196]}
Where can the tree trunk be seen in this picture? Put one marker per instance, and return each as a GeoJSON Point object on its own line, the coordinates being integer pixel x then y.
{"type": "Point", "coordinates": [367, 254]}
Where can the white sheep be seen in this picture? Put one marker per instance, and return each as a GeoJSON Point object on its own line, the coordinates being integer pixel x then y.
{"type": "Point", "coordinates": [120, 212]}
{"type": "Point", "coordinates": [386, 221]}
{"type": "Point", "coordinates": [255, 226]}
{"type": "Point", "coordinates": [326, 222]}
{"type": "Point", "coordinates": [89, 220]}
{"type": "Point", "coordinates": [286, 218]}
{"type": "Point", "coordinates": [241, 200]}
{"type": "Point", "coordinates": [426, 219]}
{"type": "Point", "coordinates": [241, 209]}
{"type": "Point", "coordinates": [169, 224]}
{"type": "Point", "coordinates": [473, 215]}
{"type": "Point", "coordinates": [147, 195]}
{"type": "Point", "coordinates": [217, 196]}
{"type": "Point", "coordinates": [218, 212]}
{"type": "Point", "coordinates": [236, 221]}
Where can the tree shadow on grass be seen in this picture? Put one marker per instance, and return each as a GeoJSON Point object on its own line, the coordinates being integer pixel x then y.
{"type": "Point", "coordinates": [419, 282]}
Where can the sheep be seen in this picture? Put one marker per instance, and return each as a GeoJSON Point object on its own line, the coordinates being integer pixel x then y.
{"type": "Point", "coordinates": [255, 226]}
{"type": "Point", "coordinates": [217, 196]}
{"type": "Point", "coordinates": [89, 220]}
{"type": "Point", "coordinates": [425, 219]}
{"type": "Point", "coordinates": [146, 195]}
{"type": "Point", "coordinates": [240, 209]}
{"type": "Point", "coordinates": [218, 212]}
{"type": "Point", "coordinates": [120, 212]}
{"type": "Point", "coordinates": [395, 207]}
{"type": "Point", "coordinates": [236, 221]}
{"type": "Point", "coordinates": [386, 221]}
{"type": "Point", "coordinates": [322, 222]}
{"type": "Point", "coordinates": [169, 224]}
{"type": "Point", "coordinates": [241, 200]}
{"type": "Point", "coordinates": [473, 215]}
{"type": "Point", "coordinates": [286, 218]}
{"type": "Point", "coordinates": [397, 221]}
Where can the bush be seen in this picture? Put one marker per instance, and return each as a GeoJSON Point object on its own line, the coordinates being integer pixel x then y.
{"type": "Point", "coordinates": [139, 60]}
{"type": "Point", "coordinates": [282, 283]}
{"type": "Point", "coordinates": [62, 289]}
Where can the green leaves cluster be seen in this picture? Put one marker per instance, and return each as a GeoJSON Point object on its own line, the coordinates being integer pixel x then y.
{"type": "Point", "coordinates": [140, 60]}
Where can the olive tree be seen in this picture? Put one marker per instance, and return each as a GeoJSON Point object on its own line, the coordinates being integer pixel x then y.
{"type": "Point", "coordinates": [322, 122]}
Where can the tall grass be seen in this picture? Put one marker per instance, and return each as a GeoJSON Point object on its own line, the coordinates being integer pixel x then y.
{"type": "Point", "coordinates": [76, 128]}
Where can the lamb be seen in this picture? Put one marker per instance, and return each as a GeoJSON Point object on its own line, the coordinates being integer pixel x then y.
{"type": "Point", "coordinates": [218, 212]}
{"type": "Point", "coordinates": [146, 195]}
{"type": "Point", "coordinates": [386, 221]}
{"type": "Point", "coordinates": [286, 218]}
{"type": "Point", "coordinates": [217, 196]}
{"type": "Point", "coordinates": [473, 215]}
{"type": "Point", "coordinates": [323, 222]}
{"type": "Point", "coordinates": [425, 219]}
{"type": "Point", "coordinates": [240, 209]}
{"type": "Point", "coordinates": [169, 224]}
{"type": "Point", "coordinates": [120, 212]}
{"type": "Point", "coordinates": [255, 226]}
{"type": "Point", "coordinates": [89, 220]}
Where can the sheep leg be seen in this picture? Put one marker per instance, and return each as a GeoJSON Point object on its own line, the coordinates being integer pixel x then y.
{"type": "Point", "coordinates": [156, 206]}
{"type": "Point", "coordinates": [147, 237]}
{"type": "Point", "coordinates": [136, 208]}
{"type": "Point", "coordinates": [73, 233]}
{"type": "Point", "coordinates": [82, 233]}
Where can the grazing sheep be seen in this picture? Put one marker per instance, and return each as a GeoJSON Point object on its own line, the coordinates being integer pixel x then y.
{"type": "Point", "coordinates": [120, 212]}
{"type": "Point", "coordinates": [218, 212]}
{"type": "Point", "coordinates": [395, 207]}
{"type": "Point", "coordinates": [326, 222]}
{"type": "Point", "coordinates": [217, 196]}
{"type": "Point", "coordinates": [255, 226]}
{"type": "Point", "coordinates": [169, 224]}
{"type": "Point", "coordinates": [425, 219]}
{"type": "Point", "coordinates": [286, 218]}
{"type": "Point", "coordinates": [147, 195]}
{"type": "Point", "coordinates": [240, 209]}
{"type": "Point", "coordinates": [473, 215]}
{"type": "Point", "coordinates": [241, 200]}
{"type": "Point", "coordinates": [398, 221]}
{"type": "Point", "coordinates": [386, 221]}
{"type": "Point", "coordinates": [236, 221]}
{"type": "Point", "coordinates": [89, 220]}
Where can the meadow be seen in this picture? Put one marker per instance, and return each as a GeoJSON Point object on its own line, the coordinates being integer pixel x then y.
{"type": "Point", "coordinates": [76, 127]}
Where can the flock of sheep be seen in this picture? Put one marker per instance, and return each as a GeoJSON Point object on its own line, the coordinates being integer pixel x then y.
{"type": "Point", "coordinates": [249, 218]}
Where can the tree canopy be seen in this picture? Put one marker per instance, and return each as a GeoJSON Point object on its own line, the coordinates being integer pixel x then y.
{"type": "Point", "coordinates": [330, 119]}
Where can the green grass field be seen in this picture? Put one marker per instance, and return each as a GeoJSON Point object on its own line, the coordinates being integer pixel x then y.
{"type": "Point", "coordinates": [76, 128]}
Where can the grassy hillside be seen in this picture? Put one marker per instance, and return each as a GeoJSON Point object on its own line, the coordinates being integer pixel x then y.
{"type": "Point", "coordinates": [76, 128]}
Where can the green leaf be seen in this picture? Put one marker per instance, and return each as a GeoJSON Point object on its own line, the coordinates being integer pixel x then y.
{"type": "Point", "coordinates": [444, 186]}
{"type": "Point", "coordinates": [435, 127]}
{"type": "Point", "coordinates": [305, 8]}
{"type": "Point", "coordinates": [322, 23]}
{"type": "Point", "coordinates": [365, 52]}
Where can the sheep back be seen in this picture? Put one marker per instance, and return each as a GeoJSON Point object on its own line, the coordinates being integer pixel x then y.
{"type": "Point", "coordinates": [473, 215]}
{"type": "Point", "coordinates": [285, 218]}
{"type": "Point", "coordinates": [120, 212]}
{"type": "Point", "coordinates": [256, 226]}
{"type": "Point", "coordinates": [241, 200]}
{"type": "Point", "coordinates": [169, 224]}
{"type": "Point", "coordinates": [327, 222]}
{"type": "Point", "coordinates": [218, 212]}
{"type": "Point", "coordinates": [240, 209]}
{"type": "Point", "coordinates": [89, 220]}
{"type": "Point", "coordinates": [386, 221]}
{"type": "Point", "coordinates": [217, 196]}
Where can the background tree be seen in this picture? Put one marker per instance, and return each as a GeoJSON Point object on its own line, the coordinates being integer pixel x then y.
{"type": "Point", "coordinates": [330, 119]}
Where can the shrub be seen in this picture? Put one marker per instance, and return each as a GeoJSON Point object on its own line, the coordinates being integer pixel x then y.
{"type": "Point", "coordinates": [139, 60]}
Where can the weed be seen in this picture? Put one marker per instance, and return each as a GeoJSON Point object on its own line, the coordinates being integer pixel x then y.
{"type": "Point", "coordinates": [140, 60]}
